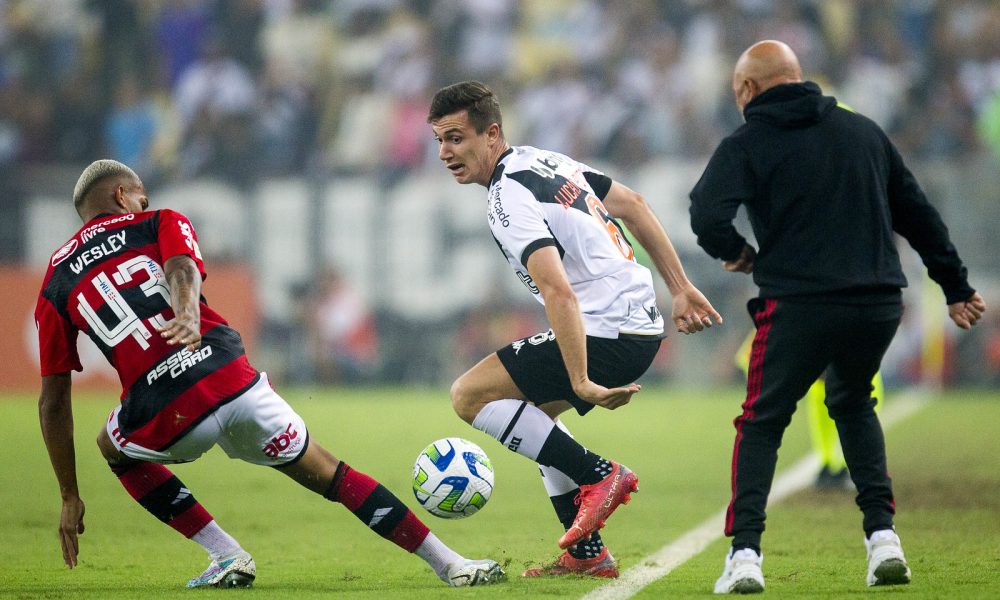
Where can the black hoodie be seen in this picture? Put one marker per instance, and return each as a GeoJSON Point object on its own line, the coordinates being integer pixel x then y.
{"type": "Point", "coordinates": [824, 189]}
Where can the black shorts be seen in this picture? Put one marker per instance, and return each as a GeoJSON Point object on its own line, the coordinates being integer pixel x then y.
{"type": "Point", "coordinates": [536, 365]}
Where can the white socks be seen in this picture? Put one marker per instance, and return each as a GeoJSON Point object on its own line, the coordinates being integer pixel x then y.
{"type": "Point", "coordinates": [438, 555]}
{"type": "Point", "coordinates": [216, 541]}
{"type": "Point", "coordinates": [520, 426]}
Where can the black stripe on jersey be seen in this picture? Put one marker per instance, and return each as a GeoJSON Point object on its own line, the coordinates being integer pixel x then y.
{"type": "Point", "coordinates": [537, 245]}
{"type": "Point", "coordinates": [498, 170]}
{"type": "Point", "coordinates": [63, 279]}
{"type": "Point", "coordinates": [152, 391]}
{"type": "Point", "coordinates": [552, 190]}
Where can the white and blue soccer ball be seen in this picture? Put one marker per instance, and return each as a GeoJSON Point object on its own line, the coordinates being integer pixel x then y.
{"type": "Point", "coordinates": [453, 478]}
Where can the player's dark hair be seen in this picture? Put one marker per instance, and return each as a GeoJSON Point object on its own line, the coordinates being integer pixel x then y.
{"type": "Point", "coordinates": [472, 96]}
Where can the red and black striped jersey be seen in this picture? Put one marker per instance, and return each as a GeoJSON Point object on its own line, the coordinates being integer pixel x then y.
{"type": "Point", "coordinates": [108, 282]}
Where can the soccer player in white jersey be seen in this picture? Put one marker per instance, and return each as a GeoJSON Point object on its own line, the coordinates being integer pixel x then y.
{"type": "Point", "coordinates": [554, 219]}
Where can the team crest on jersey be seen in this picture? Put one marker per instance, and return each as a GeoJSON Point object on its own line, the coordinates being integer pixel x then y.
{"type": "Point", "coordinates": [65, 252]}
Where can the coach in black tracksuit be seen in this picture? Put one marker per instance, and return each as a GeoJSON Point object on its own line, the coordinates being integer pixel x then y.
{"type": "Point", "coordinates": [824, 189]}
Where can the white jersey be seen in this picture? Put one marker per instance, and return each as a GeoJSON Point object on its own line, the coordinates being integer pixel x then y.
{"type": "Point", "coordinates": [539, 198]}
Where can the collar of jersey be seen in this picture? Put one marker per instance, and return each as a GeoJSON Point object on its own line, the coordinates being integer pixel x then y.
{"type": "Point", "coordinates": [498, 169]}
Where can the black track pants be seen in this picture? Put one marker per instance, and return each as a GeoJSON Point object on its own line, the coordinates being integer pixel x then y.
{"type": "Point", "coordinates": [794, 344]}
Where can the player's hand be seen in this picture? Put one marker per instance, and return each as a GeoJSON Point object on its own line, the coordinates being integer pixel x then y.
{"type": "Point", "coordinates": [610, 399]}
{"type": "Point", "coordinates": [743, 264]}
{"type": "Point", "coordinates": [182, 330]}
{"type": "Point", "coordinates": [965, 314]}
{"type": "Point", "coordinates": [692, 312]}
{"type": "Point", "coordinates": [70, 526]}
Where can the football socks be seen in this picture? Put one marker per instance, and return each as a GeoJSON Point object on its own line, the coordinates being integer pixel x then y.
{"type": "Point", "coordinates": [438, 555]}
{"type": "Point", "coordinates": [519, 426]}
{"type": "Point", "coordinates": [218, 543]}
{"type": "Point", "coordinates": [525, 429]}
{"type": "Point", "coordinates": [377, 507]}
{"type": "Point", "coordinates": [163, 495]}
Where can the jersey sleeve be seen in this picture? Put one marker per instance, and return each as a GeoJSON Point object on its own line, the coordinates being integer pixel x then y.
{"type": "Point", "coordinates": [599, 182]}
{"type": "Point", "coordinates": [518, 223]}
{"type": "Point", "coordinates": [176, 236]}
{"type": "Point", "coordinates": [56, 340]}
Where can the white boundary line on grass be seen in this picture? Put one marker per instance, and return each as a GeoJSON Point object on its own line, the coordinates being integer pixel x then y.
{"type": "Point", "coordinates": [692, 543]}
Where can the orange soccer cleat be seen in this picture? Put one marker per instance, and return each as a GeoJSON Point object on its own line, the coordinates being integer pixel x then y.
{"type": "Point", "coordinates": [598, 501]}
{"type": "Point", "coordinates": [602, 565]}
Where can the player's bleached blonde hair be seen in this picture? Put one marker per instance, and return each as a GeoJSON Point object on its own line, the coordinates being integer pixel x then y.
{"type": "Point", "coordinates": [96, 171]}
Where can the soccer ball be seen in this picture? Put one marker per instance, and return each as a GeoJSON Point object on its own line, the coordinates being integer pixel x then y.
{"type": "Point", "coordinates": [452, 478]}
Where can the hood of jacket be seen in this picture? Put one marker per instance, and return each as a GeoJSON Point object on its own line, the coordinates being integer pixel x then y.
{"type": "Point", "coordinates": [790, 105]}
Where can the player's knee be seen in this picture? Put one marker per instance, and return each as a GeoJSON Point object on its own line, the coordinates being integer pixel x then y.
{"type": "Point", "coordinates": [464, 400]}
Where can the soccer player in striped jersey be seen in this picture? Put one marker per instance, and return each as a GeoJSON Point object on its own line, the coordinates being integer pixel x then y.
{"type": "Point", "coordinates": [130, 279]}
{"type": "Point", "coordinates": [555, 221]}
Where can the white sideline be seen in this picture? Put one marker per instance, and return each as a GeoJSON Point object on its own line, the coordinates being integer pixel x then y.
{"type": "Point", "coordinates": [791, 480]}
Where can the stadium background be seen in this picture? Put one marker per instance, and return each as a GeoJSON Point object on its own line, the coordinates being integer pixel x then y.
{"type": "Point", "coordinates": [293, 134]}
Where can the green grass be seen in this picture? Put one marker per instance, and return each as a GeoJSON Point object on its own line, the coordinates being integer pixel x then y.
{"type": "Point", "coordinates": [945, 462]}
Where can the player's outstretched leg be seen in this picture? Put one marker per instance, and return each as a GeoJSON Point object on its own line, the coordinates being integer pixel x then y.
{"type": "Point", "coordinates": [527, 430]}
{"type": "Point", "coordinates": [382, 512]}
{"type": "Point", "coordinates": [387, 516]}
{"type": "Point", "coordinates": [164, 495]}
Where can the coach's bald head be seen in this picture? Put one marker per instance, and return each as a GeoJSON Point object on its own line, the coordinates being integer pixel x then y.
{"type": "Point", "coordinates": [761, 67]}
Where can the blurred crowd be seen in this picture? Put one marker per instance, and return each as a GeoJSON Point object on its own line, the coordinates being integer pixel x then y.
{"type": "Point", "coordinates": [248, 88]}
{"type": "Point", "coordinates": [245, 89]}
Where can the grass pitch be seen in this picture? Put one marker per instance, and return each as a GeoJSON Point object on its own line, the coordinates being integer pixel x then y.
{"type": "Point", "coordinates": [944, 461]}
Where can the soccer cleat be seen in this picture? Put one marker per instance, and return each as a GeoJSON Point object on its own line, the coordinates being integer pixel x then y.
{"type": "Point", "coordinates": [602, 565]}
{"type": "Point", "coordinates": [474, 572]}
{"type": "Point", "coordinates": [886, 563]}
{"type": "Point", "coordinates": [598, 501]}
{"type": "Point", "coordinates": [742, 574]}
{"type": "Point", "coordinates": [238, 571]}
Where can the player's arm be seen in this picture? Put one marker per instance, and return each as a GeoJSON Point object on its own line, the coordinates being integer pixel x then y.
{"type": "Point", "coordinates": [691, 312]}
{"type": "Point", "coordinates": [563, 312]}
{"type": "Point", "coordinates": [184, 281]}
{"type": "Point", "coordinates": [55, 413]}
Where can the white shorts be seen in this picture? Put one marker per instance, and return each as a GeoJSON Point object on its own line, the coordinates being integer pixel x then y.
{"type": "Point", "coordinates": [257, 426]}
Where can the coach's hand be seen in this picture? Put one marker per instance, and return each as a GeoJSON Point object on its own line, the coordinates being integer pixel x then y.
{"type": "Point", "coordinates": [70, 526]}
{"type": "Point", "coordinates": [965, 314]}
{"type": "Point", "coordinates": [612, 398]}
{"type": "Point", "coordinates": [743, 264]}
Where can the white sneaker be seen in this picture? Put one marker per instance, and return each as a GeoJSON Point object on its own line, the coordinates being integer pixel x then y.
{"type": "Point", "coordinates": [742, 574]}
{"type": "Point", "coordinates": [236, 571]}
{"type": "Point", "coordinates": [474, 572]}
{"type": "Point", "coordinates": [886, 563]}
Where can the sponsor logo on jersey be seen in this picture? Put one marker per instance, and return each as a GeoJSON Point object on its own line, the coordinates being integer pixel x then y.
{"type": "Point", "coordinates": [189, 238]}
{"type": "Point", "coordinates": [65, 252]}
{"type": "Point", "coordinates": [496, 212]}
{"type": "Point", "coordinates": [89, 232]}
{"type": "Point", "coordinates": [281, 442]}
{"type": "Point", "coordinates": [528, 282]}
{"type": "Point", "coordinates": [178, 362]}
{"type": "Point", "coordinates": [652, 312]}
{"type": "Point", "coordinates": [515, 443]}
{"type": "Point", "coordinates": [112, 245]}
